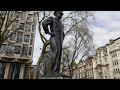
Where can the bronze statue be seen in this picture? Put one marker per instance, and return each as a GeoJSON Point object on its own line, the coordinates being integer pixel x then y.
{"type": "Point", "coordinates": [56, 39]}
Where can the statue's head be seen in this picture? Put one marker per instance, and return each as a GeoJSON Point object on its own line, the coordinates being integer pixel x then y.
{"type": "Point", "coordinates": [58, 14]}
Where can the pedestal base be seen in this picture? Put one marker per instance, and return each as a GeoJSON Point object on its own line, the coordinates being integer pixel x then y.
{"type": "Point", "coordinates": [55, 77]}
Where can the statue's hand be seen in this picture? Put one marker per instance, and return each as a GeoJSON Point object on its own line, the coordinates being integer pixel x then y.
{"type": "Point", "coordinates": [52, 34]}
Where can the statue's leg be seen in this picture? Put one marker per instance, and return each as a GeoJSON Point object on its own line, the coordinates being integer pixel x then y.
{"type": "Point", "coordinates": [59, 59]}
{"type": "Point", "coordinates": [54, 54]}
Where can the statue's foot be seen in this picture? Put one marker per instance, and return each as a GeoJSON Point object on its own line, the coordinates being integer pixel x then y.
{"type": "Point", "coordinates": [56, 74]}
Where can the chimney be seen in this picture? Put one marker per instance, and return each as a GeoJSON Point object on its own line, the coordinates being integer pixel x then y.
{"type": "Point", "coordinates": [111, 41]}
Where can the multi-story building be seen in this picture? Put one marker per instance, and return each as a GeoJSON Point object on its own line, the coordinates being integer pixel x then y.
{"type": "Point", "coordinates": [89, 68]}
{"type": "Point", "coordinates": [106, 62]}
{"type": "Point", "coordinates": [101, 64]}
{"type": "Point", "coordinates": [114, 58]}
{"type": "Point", "coordinates": [85, 69]}
{"type": "Point", "coordinates": [17, 51]}
{"type": "Point", "coordinates": [80, 72]}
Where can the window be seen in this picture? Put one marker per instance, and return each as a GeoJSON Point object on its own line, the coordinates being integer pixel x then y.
{"type": "Point", "coordinates": [23, 15]}
{"type": "Point", "coordinates": [3, 48]}
{"type": "Point", "coordinates": [19, 37]}
{"type": "Point", "coordinates": [14, 71]}
{"type": "Point", "coordinates": [83, 75]}
{"type": "Point", "coordinates": [10, 49]}
{"type": "Point", "coordinates": [29, 17]}
{"type": "Point", "coordinates": [117, 62]}
{"type": "Point", "coordinates": [100, 61]}
{"type": "Point", "coordinates": [105, 60]}
{"type": "Point", "coordinates": [79, 76]}
{"type": "Point", "coordinates": [28, 27]}
{"type": "Point", "coordinates": [11, 14]}
{"type": "Point", "coordinates": [17, 71]}
{"type": "Point", "coordinates": [33, 28]}
{"type": "Point", "coordinates": [21, 26]}
{"type": "Point", "coordinates": [30, 50]}
{"type": "Point", "coordinates": [89, 65]}
{"type": "Point", "coordinates": [116, 70]}
{"type": "Point", "coordinates": [105, 77]}
{"type": "Point", "coordinates": [24, 50]}
{"type": "Point", "coordinates": [2, 70]}
{"type": "Point", "coordinates": [0, 21]}
{"type": "Point", "coordinates": [6, 33]}
{"type": "Point", "coordinates": [17, 49]}
{"type": "Point", "coordinates": [87, 73]}
{"type": "Point", "coordinates": [95, 62]}
{"type": "Point", "coordinates": [31, 40]}
{"type": "Point", "coordinates": [26, 38]}
{"type": "Point", "coordinates": [12, 37]}
{"type": "Point", "coordinates": [80, 69]}
{"type": "Point", "coordinates": [17, 14]}
{"type": "Point", "coordinates": [115, 54]}
{"type": "Point", "coordinates": [15, 25]}
{"type": "Point", "coordinates": [35, 18]}
{"type": "Point", "coordinates": [90, 72]}
{"type": "Point", "coordinates": [114, 62]}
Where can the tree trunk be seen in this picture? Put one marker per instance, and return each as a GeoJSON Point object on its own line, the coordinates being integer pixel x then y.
{"type": "Point", "coordinates": [36, 73]}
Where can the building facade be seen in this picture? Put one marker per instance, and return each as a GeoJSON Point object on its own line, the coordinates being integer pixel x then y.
{"type": "Point", "coordinates": [114, 58]}
{"type": "Point", "coordinates": [80, 72]}
{"type": "Point", "coordinates": [106, 62]}
{"type": "Point", "coordinates": [17, 51]}
{"type": "Point", "coordinates": [89, 68]}
{"type": "Point", "coordinates": [101, 64]}
{"type": "Point", "coordinates": [85, 69]}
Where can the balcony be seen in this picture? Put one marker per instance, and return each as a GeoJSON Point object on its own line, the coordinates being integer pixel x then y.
{"type": "Point", "coordinates": [115, 48]}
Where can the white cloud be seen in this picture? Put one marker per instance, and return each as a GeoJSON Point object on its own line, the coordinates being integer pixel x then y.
{"type": "Point", "coordinates": [37, 45]}
{"type": "Point", "coordinates": [107, 26]}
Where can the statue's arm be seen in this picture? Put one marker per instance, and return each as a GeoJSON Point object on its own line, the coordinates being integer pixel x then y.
{"type": "Point", "coordinates": [63, 31]}
{"type": "Point", "coordinates": [45, 24]}
{"type": "Point", "coordinates": [63, 34]}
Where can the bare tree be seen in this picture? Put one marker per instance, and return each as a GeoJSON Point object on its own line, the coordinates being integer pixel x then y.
{"type": "Point", "coordinates": [9, 24]}
{"type": "Point", "coordinates": [80, 46]}
{"type": "Point", "coordinates": [8, 21]}
{"type": "Point", "coordinates": [80, 40]}
{"type": "Point", "coordinates": [41, 16]}
{"type": "Point", "coordinates": [46, 64]}
{"type": "Point", "coordinates": [71, 20]}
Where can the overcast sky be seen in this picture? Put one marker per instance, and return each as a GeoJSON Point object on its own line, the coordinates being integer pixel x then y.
{"type": "Point", "coordinates": [106, 26]}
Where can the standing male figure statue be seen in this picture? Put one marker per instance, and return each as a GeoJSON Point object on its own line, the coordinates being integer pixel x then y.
{"type": "Point", "coordinates": [56, 39]}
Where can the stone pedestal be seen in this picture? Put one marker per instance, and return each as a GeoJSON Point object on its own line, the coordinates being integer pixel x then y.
{"type": "Point", "coordinates": [55, 77]}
